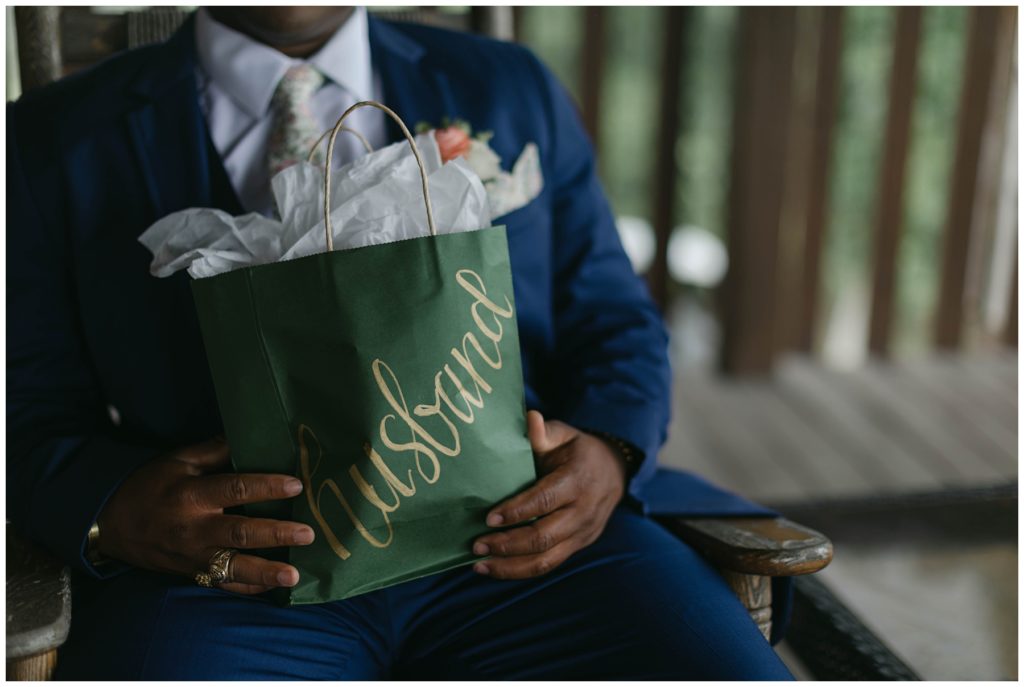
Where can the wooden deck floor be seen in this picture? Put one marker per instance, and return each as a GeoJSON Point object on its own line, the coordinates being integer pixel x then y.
{"type": "Point", "coordinates": [812, 433]}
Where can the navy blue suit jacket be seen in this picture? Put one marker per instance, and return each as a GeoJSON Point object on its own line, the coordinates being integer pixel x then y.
{"type": "Point", "coordinates": [96, 158]}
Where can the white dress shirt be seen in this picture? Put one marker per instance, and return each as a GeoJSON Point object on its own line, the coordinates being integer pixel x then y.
{"type": "Point", "coordinates": [237, 76]}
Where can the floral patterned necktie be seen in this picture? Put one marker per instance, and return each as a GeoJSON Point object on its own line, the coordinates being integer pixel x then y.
{"type": "Point", "coordinates": [294, 129]}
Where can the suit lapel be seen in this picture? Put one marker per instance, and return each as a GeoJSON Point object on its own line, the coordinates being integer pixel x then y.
{"type": "Point", "coordinates": [169, 132]}
{"type": "Point", "coordinates": [415, 91]}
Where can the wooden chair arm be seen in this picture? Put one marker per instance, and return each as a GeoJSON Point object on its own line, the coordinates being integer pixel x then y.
{"type": "Point", "coordinates": [38, 610]}
{"type": "Point", "coordinates": [773, 547]}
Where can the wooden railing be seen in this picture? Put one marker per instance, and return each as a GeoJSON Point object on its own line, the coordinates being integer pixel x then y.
{"type": "Point", "coordinates": [782, 158]}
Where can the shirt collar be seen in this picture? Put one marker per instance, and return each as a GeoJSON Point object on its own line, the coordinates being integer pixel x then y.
{"type": "Point", "coordinates": [249, 71]}
{"type": "Point", "coordinates": [345, 58]}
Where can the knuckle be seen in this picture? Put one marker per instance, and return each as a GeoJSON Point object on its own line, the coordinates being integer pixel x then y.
{"type": "Point", "coordinates": [587, 521]}
{"type": "Point", "coordinates": [577, 482]}
{"type": "Point", "coordinates": [542, 540]}
{"type": "Point", "coordinates": [543, 566]}
{"type": "Point", "coordinates": [240, 535]}
{"type": "Point", "coordinates": [178, 532]}
{"type": "Point", "coordinates": [183, 498]}
{"type": "Point", "coordinates": [283, 536]}
{"type": "Point", "coordinates": [546, 500]}
{"type": "Point", "coordinates": [501, 573]}
{"type": "Point", "coordinates": [505, 546]}
{"type": "Point", "coordinates": [177, 498]}
{"type": "Point", "coordinates": [187, 453]}
{"type": "Point", "coordinates": [568, 484]}
{"type": "Point", "coordinates": [238, 490]}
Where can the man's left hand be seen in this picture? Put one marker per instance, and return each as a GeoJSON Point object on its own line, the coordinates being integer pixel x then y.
{"type": "Point", "coordinates": [580, 481]}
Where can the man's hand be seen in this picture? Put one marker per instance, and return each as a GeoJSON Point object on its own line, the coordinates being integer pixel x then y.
{"type": "Point", "coordinates": [581, 480]}
{"type": "Point", "coordinates": [169, 516]}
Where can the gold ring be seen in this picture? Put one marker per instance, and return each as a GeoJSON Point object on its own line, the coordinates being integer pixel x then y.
{"type": "Point", "coordinates": [219, 570]}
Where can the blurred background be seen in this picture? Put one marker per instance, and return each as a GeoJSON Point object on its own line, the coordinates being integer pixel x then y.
{"type": "Point", "coordinates": [823, 201]}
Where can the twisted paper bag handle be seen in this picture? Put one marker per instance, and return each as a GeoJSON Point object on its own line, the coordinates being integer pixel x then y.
{"type": "Point", "coordinates": [330, 154]}
{"type": "Point", "coordinates": [324, 135]}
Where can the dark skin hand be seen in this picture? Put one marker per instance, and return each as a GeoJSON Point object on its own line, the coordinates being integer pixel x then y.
{"type": "Point", "coordinates": [580, 481]}
{"type": "Point", "coordinates": [184, 494]}
{"type": "Point", "coordinates": [169, 516]}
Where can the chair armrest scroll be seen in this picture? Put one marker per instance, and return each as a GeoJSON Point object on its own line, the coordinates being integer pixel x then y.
{"type": "Point", "coordinates": [774, 547]}
{"type": "Point", "coordinates": [38, 600]}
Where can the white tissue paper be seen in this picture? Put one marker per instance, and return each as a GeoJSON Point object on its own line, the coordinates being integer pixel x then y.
{"type": "Point", "coordinates": [375, 199]}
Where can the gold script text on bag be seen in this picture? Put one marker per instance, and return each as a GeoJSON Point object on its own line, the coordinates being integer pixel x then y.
{"type": "Point", "coordinates": [388, 379]}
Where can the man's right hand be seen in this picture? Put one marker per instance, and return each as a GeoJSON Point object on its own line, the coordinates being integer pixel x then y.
{"type": "Point", "coordinates": [169, 516]}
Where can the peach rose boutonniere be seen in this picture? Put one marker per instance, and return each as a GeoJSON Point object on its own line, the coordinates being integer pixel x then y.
{"type": "Point", "coordinates": [453, 141]}
{"type": "Point", "coordinates": [506, 191]}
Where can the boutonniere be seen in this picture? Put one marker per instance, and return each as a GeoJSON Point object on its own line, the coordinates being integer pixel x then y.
{"type": "Point", "coordinates": [506, 191]}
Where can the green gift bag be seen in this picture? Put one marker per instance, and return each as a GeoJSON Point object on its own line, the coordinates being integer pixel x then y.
{"type": "Point", "coordinates": [388, 379]}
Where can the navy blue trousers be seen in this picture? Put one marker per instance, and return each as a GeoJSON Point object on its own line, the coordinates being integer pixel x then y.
{"type": "Point", "coordinates": [636, 604]}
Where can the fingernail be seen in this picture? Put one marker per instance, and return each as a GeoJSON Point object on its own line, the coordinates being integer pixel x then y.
{"type": "Point", "coordinates": [481, 569]}
{"type": "Point", "coordinates": [287, 578]}
{"type": "Point", "coordinates": [304, 536]}
{"type": "Point", "coordinates": [481, 549]}
{"type": "Point", "coordinates": [495, 519]}
{"type": "Point", "coordinates": [293, 487]}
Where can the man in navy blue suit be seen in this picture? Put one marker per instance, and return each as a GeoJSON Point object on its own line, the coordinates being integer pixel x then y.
{"type": "Point", "coordinates": [113, 460]}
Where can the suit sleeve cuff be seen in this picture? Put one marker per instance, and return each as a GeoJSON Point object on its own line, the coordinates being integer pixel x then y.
{"type": "Point", "coordinates": [64, 508]}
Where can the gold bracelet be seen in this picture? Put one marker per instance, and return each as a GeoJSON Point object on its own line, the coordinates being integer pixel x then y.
{"type": "Point", "coordinates": [629, 453]}
{"type": "Point", "coordinates": [92, 545]}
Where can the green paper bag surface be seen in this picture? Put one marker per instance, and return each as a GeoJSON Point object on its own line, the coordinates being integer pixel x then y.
{"type": "Point", "coordinates": [388, 379]}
